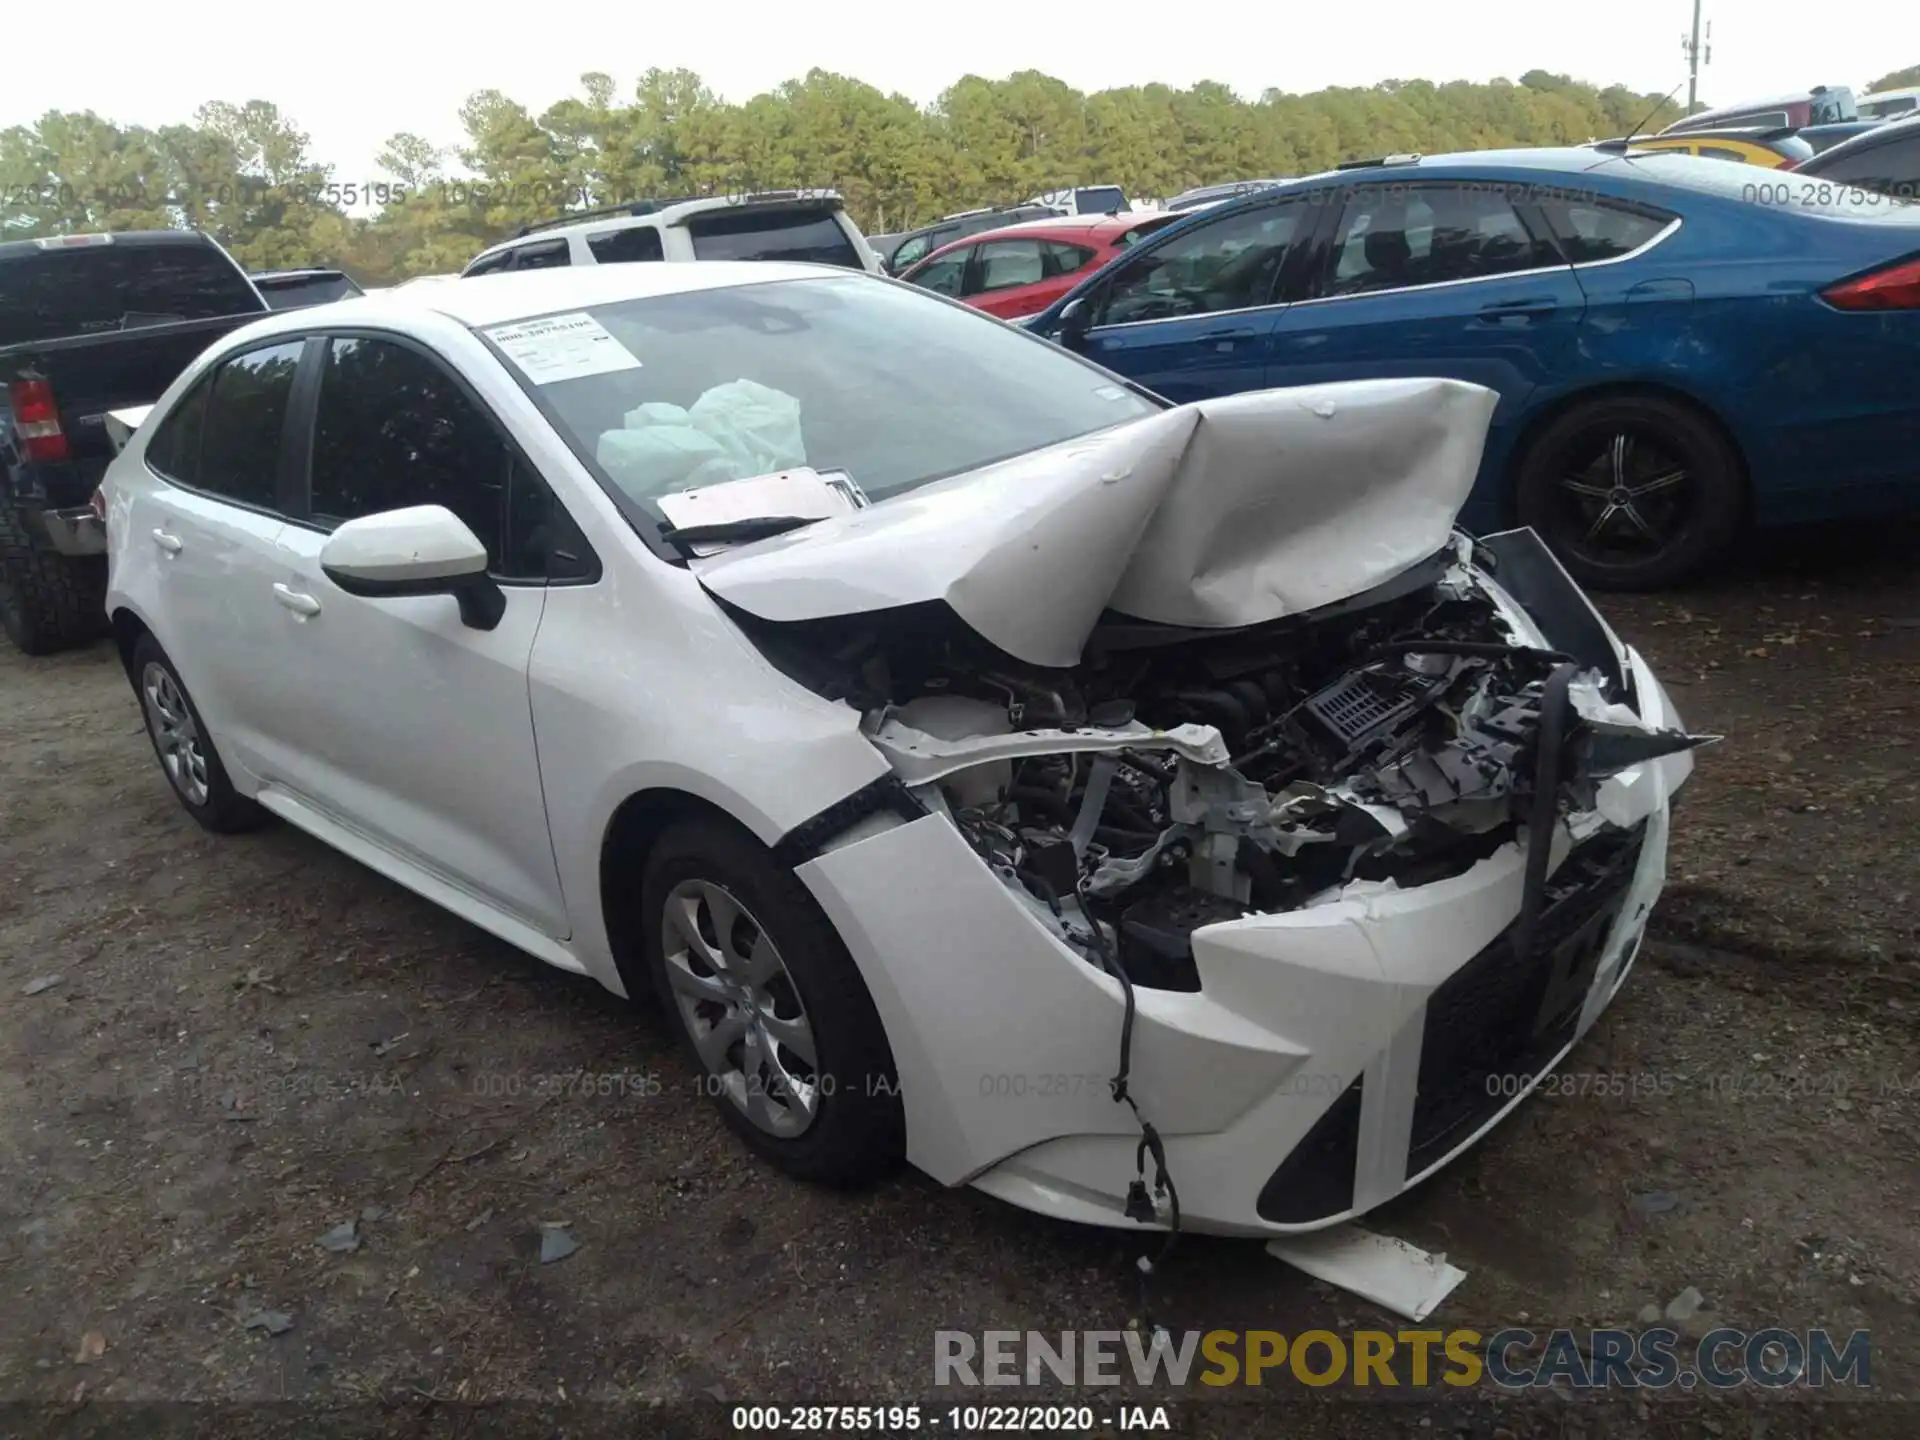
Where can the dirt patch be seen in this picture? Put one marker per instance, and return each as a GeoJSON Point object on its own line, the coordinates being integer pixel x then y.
{"type": "Point", "coordinates": [251, 1042]}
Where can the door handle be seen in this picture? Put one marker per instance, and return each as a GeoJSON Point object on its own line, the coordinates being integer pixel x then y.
{"type": "Point", "coordinates": [1517, 310]}
{"type": "Point", "coordinates": [168, 543]}
{"type": "Point", "coordinates": [301, 605]}
{"type": "Point", "coordinates": [1229, 334]}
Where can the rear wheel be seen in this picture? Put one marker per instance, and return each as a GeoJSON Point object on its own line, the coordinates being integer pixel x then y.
{"type": "Point", "coordinates": [770, 1006]}
{"type": "Point", "coordinates": [183, 747]}
{"type": "Point", "coordinates": [1631, 492]}
{"type": "Point", "coordinates": [48, 601]}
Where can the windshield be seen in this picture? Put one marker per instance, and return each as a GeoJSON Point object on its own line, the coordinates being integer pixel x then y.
{"type": "Point", "coordinates": [892, 386]}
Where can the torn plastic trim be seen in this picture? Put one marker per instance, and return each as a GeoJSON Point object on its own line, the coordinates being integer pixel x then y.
{"type": "Point", "coordinates": [885, 795]}
{"type": "Point", "coordinates": [1527, 571]}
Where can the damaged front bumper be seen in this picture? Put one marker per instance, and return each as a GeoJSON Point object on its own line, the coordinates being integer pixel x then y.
{"type": "Point", "coordinates": [1328, 1055]}
{"type": "Point", "coordinates": [1332, 1057]}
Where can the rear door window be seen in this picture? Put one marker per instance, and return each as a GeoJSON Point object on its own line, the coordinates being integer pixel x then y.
{"type": "Point", "coordinates": [1007, 264]}
{"type": "Point", "coordinates": [620, 247]}
{"type": "Point", "coordinates": [89, 289]}
{"type": "Point", "coordinates": [243, 424]}
{"type": "Point", "coordinates": [945, 275]}
{"type": "Point", "coordinates": [175, 448]}
{"type": "Point", "coordinates": [490, 265]}
{"type": "Point", "coordinates": [772, 233]}
{"type": "Point", "coordinates": [1590, 232]}
{"type": "Point", "coordinates": [1392, 237]}
{"type": "Point", "coordinates": [548, 254]}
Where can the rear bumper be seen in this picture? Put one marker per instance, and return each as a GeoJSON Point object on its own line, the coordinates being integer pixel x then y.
{"type": "Point", "coordinates": [75, 531]}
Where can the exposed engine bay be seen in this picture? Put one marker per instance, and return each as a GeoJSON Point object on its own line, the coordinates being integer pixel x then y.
{"type": "Point", "coordinates": [1177, 778]}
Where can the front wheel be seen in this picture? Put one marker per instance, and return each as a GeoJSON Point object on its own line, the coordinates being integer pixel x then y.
{"type": "Point", "coordinates": [1631, 492]}
{"type": "Point", "coordinates": [771, 1008]}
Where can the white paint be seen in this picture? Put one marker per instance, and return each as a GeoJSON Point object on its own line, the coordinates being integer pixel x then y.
{"type": "Point", "coordinates": [1403, 1278]}
{"type": "Point", "coordinates": [422, 542]}
{"type": "Point", "coordinates": [1211, 515]}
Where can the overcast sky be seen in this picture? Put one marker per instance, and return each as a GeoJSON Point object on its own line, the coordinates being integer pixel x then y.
{"type": "Point", "coordinates": [353, 72]}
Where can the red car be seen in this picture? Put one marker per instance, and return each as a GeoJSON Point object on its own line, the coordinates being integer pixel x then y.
{"type": "Point", "coordinates": [1022, 269]}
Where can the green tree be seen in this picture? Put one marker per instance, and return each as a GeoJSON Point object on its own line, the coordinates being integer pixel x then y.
{"type": "Point", "coordinates": [244, 172]}
{"type": "Point", "coordinates": [1898, 80]}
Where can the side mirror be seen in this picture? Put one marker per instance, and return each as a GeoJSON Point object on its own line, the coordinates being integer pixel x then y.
{"type": "Point", "coordinates": [1074, 322]}
{"type": "Point", "coordinates": [422, 550]}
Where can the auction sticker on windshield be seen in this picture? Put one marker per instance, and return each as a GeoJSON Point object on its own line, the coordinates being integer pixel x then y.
{"type": "Point", "coordinates": [562, 347]}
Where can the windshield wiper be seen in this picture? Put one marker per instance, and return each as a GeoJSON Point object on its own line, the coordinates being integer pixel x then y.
{"type": "Point", "coordinates": [726, 532]}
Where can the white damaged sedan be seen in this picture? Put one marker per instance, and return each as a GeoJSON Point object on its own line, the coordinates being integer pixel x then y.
{"type": "Point", "coordinates": [1149, 815]}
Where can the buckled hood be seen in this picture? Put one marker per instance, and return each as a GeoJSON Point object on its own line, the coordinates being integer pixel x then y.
{"type": "Point", "coordinates": [1214, 515]}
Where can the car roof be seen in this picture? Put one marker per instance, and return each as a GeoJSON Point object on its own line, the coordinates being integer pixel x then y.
{"type": "Point", "coordinates": [1890, 132]}
{"type": "Point", "coordinates": [665, 212]}
{"type": "Point", "coordinates": [981, 214]}
{"type": "Point", "coordinates": [1098, 228]}
{"type": "Point", "coordinates": [1746, 107]}
{"type": "Point", "coordinates": [13, 248]}
{"type": "Point", "coordinates": [482, 300]}
{"type": "Point", "coordinates": [1759, 134]}
{"type": "Point", "coordinates": [1658, 169]}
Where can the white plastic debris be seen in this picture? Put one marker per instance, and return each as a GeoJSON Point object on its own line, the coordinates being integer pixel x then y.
{"type": "Point", "coordinates": [1407, 1280]}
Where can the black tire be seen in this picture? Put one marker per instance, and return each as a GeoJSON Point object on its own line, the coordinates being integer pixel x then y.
{"type": "Point", "coordinates": [1567, 483]}
{"type": "Point", "coordinates": [856, 1133]}
{"type": "Point", "coordinates": [48, 601]}
{"type": "Point", "coordinates": [221, 809]}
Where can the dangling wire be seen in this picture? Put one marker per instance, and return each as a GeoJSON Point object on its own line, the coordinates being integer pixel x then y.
{"type": "Point", "coordinates": [1140, 1204]}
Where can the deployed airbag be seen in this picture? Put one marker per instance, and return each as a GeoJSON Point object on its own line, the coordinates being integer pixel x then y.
{"type": "Point", "coordinates": [732, 431]}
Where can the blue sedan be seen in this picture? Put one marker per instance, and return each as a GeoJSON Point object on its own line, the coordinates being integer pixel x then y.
{"type": "Point", "coordinates": [1681, 346]}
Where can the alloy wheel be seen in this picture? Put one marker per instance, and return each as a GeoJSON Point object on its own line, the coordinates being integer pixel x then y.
{"type": "Point", "coordinates": [175, 735]}
{"type": "Point", "coordinates": [740, 1008]}
{"type": "Point", "coordinates": [1623, 496]}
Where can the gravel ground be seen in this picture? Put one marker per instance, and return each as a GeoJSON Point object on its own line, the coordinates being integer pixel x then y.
{"type": "Point", "coordinates": [254, 1041]}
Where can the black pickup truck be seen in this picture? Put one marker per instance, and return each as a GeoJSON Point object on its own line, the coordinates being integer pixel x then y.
{"type": "Point", "coordinates": [88, 324]}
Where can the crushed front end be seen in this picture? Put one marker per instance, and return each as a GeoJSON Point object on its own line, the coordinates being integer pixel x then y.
{"type": "Point", "coordinates": [1295, 863]}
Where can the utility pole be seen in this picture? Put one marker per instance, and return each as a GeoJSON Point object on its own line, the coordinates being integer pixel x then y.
{"type": "Point", "coordinates": [1690, 46]}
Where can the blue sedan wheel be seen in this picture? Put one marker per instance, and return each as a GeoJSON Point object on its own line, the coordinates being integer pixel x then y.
{"type": "Point", "coordinates": [1631, 492]}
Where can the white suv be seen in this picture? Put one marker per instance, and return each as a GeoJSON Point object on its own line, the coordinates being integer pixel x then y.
{"type": "Point", "coordinates": [808, 225]}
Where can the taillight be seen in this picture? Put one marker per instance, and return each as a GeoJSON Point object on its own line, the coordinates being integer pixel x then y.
{"type": "Point", "coordinates": [36, 419]}
{"type": "Point", "coordinates": [1788, 165]}
{"type": "Point", "coordinates": [1895, 288]}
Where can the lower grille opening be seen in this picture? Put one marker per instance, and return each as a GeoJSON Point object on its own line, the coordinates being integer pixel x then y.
{"type": "Point", "coordinates": [1316, 1178]}
{"type": "Point", "coordinates": [1499, 1019]}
